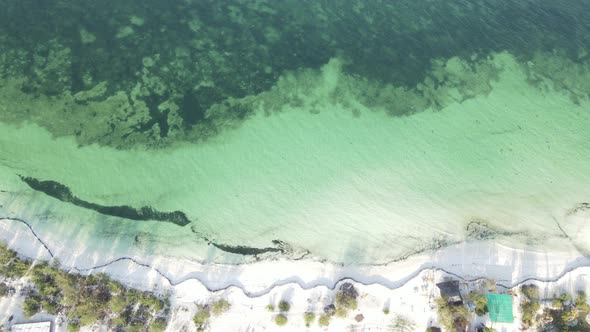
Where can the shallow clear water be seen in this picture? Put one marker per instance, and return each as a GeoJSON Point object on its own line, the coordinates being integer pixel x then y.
{"type": "Point", "coordinates": [348, 131]}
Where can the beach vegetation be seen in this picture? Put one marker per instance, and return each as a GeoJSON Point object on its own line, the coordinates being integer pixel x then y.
{"type": "Point", "coordinates": [10, 265]}
{"type": "Point", "coordinates": [73, 326]}
{"type": "Point", "coordinates": [479, 301]}
{"type": "Point", "coordinates": [154, 302]}
{"type": "Point", "coordinates": [205, 311]}
{"type": "Point", "coordinates": [402, 324]}
{"type": "Point", "coordinates": [49, 306]}
{"type": "Point", "coordinates": [201, 318]}
{"type": "Point", "coordinates": [85, 300]}
{"type": "Point", "coordinates": [346, 300]}
{"type": "Point", "coordinates": [330, 310]}
{"type": "Point", "coordinates": [158, 325]}
{"type": "Point", "coordinates": [567, 314]}
{"type": "Point", "coordinates": [281, 319]}
{"type": "Point", "coordinates": [324, 320]}
{"type": "Point", "coordinates": [557, 304]}
{"type": "Point", "coordinates": [489, 285]}
{"type": "Point", "coordinates": [119, 321]}
{"type": "Point", "coordinates": [529, 310]}
{"type": "Point", "coordinates": [31, 306]}
{"type": "Point", "coordinates": [581, 302]}
{"type": "Point", "coordinates": [530, 291]}
{"type": "Point", "coordinates": [4, 290]}
{"type": "Point", "coordinates": [386, 311]}
{"type": "Point", "coordinates": [341, 312]}
{"type": "Point", "coordinates": [284, 306]}
{"type": "Point", "coordinates": [270, 307]}
{"type": "Point", "coordinates": [450, 315]}
{"type": "Point", "coordinates": [220, 306]}
{"type": "Point", "coordinates": [308, 317]}
{"type": "Point", "coordinates": [117, 304]}
{"type": "Point", "coordinates": [530, 306]}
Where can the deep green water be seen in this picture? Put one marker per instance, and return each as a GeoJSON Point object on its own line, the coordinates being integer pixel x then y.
{"type": "Point", "coordinates": [387, 126]}
{"type": "Point", "coordinates": [196, 54]}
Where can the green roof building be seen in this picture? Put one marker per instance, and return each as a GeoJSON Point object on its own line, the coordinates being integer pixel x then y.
{"type": "Point", "coordinates": [500, 308]}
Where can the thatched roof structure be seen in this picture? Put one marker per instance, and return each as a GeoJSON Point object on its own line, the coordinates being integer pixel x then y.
{"type": "Point", "coordinates": [450, 290]}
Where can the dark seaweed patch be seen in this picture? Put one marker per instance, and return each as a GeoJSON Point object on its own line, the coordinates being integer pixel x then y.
{"type": "Point", "coordinates": [481, 230]}
{"type": "Point", "coordinates": [64, 194]}
{"type": "Point", "coordinates": [243, 250]}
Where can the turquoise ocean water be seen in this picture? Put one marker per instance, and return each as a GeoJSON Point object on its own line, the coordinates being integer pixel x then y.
{"type": "Point", "coordinates": [352, 131]}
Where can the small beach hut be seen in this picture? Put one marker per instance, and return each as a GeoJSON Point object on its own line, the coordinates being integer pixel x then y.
{"type": "Point", "coordinates": [450, 290]}
{"type": "Point", "coordinates": [500, 308]}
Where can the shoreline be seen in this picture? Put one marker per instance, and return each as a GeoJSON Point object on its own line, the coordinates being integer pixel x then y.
{"type": "Point", "coordinates": [310, 285]}
{"type": "Point", "coordinates": [425, 260]}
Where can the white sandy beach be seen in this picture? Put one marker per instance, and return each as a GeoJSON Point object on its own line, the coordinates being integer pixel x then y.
{"type": "Point", "coordinates": [406, 287]}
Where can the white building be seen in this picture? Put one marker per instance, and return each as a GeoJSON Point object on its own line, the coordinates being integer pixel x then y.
{"type": "Point", "coordinates": [32, 327]}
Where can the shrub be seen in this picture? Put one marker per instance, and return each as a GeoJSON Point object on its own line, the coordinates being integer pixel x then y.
{"type": "Point", "coordinates": [581, 302]}
{"type": "Point", "coordinates": [115, 287]}
{"type": "Point", "coordinates": [201, 318]}
{"type": "Point", "coordinates": [49, 307]}
{"type": "Point", "coordinates": [133, 296]}
{"type": "Point", "coordinates": [152, 301]}
{"type": "Point", "coordinates": [309, 317]}
{"type": "Point", "coordinates": [136, 327]}
{"type": "Point", "coordinates": [220, 306]}
{"type": "Point", "coordinates": [569, 315]}
{"type": "Point", "coordinates": [324, 320]}
{"type": "Point", "coordinates": [480, 302]}
{"type": "Point", "coordinates": [345, 300]}
{"type": "Point", "coordinates": [557, 304]}
{"type": "Point", "coordinates": [281, 319]}
{"type": "Point", "coordinates": [117, 304]}
{"type": "Point", "coordinates": [386, 311]}
{"type": "Point", "coordinates": [31, 306]}
{"type": "Point", "coordinates": [530, 291]}
{"type": "Point", "coordinates": [6, 255]}
{"type": "Point", "coordinates": [401, 323]}
{"type": "Point", "coordinates": [119, 321]}
{"type": "Point", "coordinates": [449, 313]}
{"type": "Point", "coordinates": [341, 312]}
{"type": "Point", "coordinates": [87, 315]}
{"type": "Point", "coordinates": [3, 289]}
{"type": "Point", "coordinates": [529, 309]}
{"type": "Point", "coordinates": [270, 308]}
{"type": "Point", "coordinates": [73, 326]}
{"type": "Point", "coordinates": [158, 325]}
{"type": "Point", "coordinates": [284, 306]}
{"type": "Point", "coordinates": [10, 265]}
